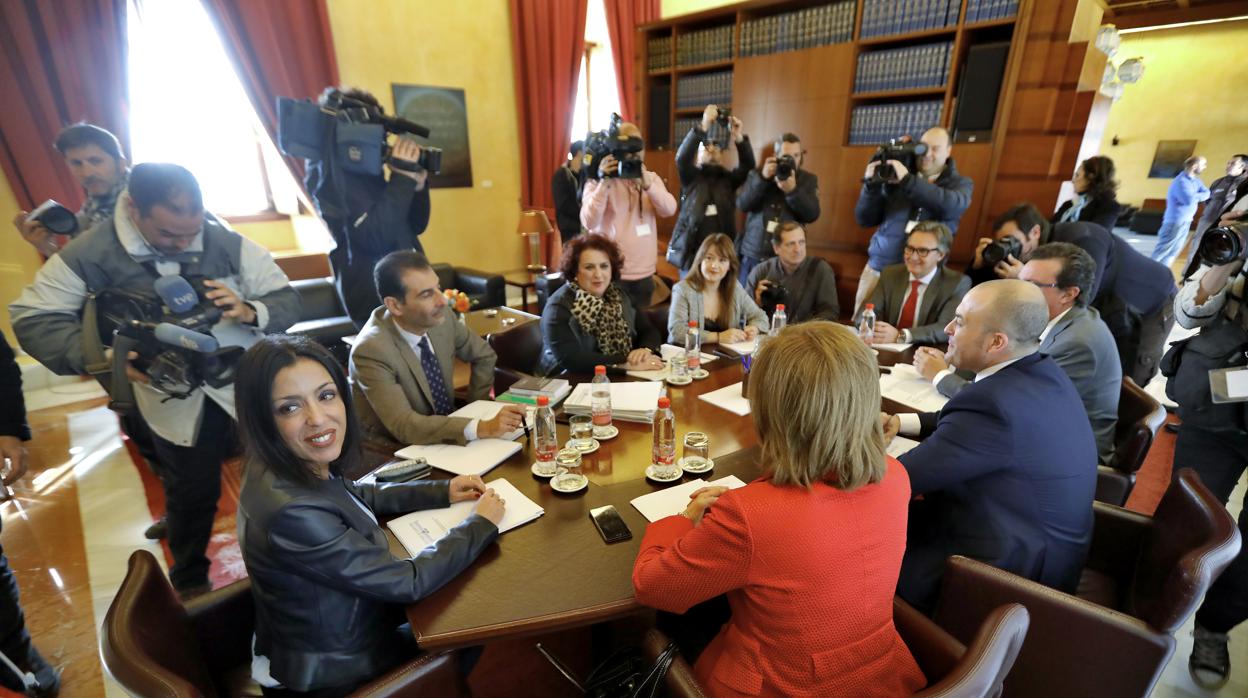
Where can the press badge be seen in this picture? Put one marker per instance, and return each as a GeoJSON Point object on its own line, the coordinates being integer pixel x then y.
{"type": "Point", "coordinates": [711, 210]}
{"type": "Point", "coordinates": [643, 229]}
{"type": "Point", "coordinates": [772, 225]}
{"type": "Point", "coordinates": [1228, 385]}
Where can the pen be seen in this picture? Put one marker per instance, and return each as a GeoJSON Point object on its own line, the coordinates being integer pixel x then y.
{"type": "Point", "coordinates": [528, 435]}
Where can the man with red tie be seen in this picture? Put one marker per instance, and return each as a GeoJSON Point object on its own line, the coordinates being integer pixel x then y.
{"type": "Point", "coordinates": [916, 299]}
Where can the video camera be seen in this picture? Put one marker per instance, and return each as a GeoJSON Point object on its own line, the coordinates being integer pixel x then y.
{"type": "Point", "coordinates": [904, 151]}
{"type": "Point", "coordinates": [349, 133]}
{"type": "Point", "coordinates": [1000, 250]}
{"type": "Point", "coordinates": [1224, 244]}
{"type": "Point", "coordinates": [625, 149]}
{"type": "Point", "coordinates": [171, 331]}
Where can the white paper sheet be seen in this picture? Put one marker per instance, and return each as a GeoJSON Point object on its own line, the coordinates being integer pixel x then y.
{"type": "Point", "coordinates": [900, 445]}
{"type": "Point", "coordinates": [1237, 384]}
{"type": "Point", "coordinates": [477, 458]}
{"type": "Point", "coordinates": [673, 500]}
{"type": "Point", "coordinates": [421, 529]}
{"type": "Point", "coordinates": [746, 347]}
{"type": "Point", "coordinates": [729, 398]}
{"type": "Point", "coordinates": [904, 384]}
{"type": "Point", "coordinates": [891, 346]}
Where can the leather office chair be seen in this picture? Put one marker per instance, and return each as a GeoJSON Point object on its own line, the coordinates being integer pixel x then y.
{"type": "Point", "coordinates": [1144, 577]}
{"type": "Point", "coordinates": [1140, 416]}
{"type": "Point", "coordinates": [154, 646]}
{"type": "Point", "coordinates": [322, 317]}
{"type": "Point", "coordinates": [519, 351]}
{"type": "Point", "coordinates": [485, 290]}
{"type": "Point", "coordinates": [545, 285]}
{"type": "Point", "coordinates": [953, 670]}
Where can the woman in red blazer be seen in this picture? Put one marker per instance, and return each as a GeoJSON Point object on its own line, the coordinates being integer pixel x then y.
{"type": "Point", "coordinates": [809, 553]}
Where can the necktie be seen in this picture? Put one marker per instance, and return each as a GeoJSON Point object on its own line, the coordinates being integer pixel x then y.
{"type": "Point", "coordinates": [433, 374]}
{"type": "Point", "coordinates": [907, 311]}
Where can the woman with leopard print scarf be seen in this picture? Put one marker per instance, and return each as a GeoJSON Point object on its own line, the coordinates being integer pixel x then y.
{"type": "Point", "coordinates": [590, 320]}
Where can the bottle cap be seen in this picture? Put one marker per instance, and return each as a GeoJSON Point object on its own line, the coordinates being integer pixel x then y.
{"type": "Point", "coordinates": [780, 306]}
{"type": "Point", "coordinates": [693, 323]}
{"type": "Point", "coordinates": [870, 306]}
{"type": "Point", "coordinates": [665, 403]}
{"type": "Point", "coordinates": [542, 401]}
{"type": "Point", "coordinates": [600, 370]}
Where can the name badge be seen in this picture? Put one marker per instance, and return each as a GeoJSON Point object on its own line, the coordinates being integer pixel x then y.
{"type": "Point", "coordinates": [711, 210]}
{"type": "Point", "coordinates": [772, 225]}
{"type": "Point", "coordinates": [910, 226]}
{"type": "Point", "coordinates": [643, 230]}
{"type": "Point", "coordinates": [1228, 385]}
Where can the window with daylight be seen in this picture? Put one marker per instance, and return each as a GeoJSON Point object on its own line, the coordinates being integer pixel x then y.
{"type": "Point", "coordinates": [597, 90]}
{"type": "Point", "coordinates": [188, 107]}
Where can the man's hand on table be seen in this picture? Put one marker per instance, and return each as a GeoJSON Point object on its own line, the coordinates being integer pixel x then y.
{"type": "Point", "coordinates": [928, 362]}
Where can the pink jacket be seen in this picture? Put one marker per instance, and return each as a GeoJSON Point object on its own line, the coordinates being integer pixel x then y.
{"type": "Point", "coordinates": [618, 208]}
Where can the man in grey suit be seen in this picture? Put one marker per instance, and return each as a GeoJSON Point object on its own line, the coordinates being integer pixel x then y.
{"type": "Point", "coordinates": [914, 300]}
{"type": "Point", "coordinates": [1076, 338]}
{"type": "Point", "coordinates": [403, 360]}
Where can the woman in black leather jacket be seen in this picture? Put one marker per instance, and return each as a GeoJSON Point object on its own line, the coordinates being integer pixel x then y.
{"type": "Point", "coordinates": [329, 594]}
{"type": "Point", "coordinates": [1096, 197]}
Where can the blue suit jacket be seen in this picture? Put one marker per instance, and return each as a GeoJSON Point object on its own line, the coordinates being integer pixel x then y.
{"type": "Point", "coordinates": [1007, 476]}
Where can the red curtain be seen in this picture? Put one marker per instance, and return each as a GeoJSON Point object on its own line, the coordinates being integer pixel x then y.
{"type": "Point", "coordinates": [279, 48]}
{"type": "Point", "coordinates": [63, 61]}
{"type": "Point", "coordinates": [547, 40]}
{"type": "Point", "coordinates": [623, 18]}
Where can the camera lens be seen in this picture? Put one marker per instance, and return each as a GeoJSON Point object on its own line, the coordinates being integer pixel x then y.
{"type": "Point", "coordinates": [1222, 245]}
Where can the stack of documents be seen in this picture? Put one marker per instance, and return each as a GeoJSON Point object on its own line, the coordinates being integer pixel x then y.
{"type": "Point", "coordinates": [477, 457]}
{"type": "Point", "coordinates": [904, 384]}
{"type": "Point", "coordinates": [668, 350]}
{"type": "Point", "coordinates": [630, 402]}
{"type": "Point", "coordinates": [673, 500]}
{"type": "Point", "coordinates": [526, 390]}
{"type": "Point", "coordinates": [421, 529]}
{"type": "Point", "coordinates": [891, 346]}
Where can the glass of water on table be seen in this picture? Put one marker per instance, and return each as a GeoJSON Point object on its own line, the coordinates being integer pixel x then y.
{"type": "Point", "coordinates": [697, 454]}
{"type": "Point", "coordinates": [581, 427]}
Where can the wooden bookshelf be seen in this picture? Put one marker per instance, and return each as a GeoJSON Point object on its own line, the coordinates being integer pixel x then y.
{"type": "Point", "coordinates": [809, 90]}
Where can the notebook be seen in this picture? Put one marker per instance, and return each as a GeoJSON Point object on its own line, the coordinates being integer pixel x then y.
{"type": "Point", "coordinates": [673, 500]}
{"type": "Point", "coordinates": [476, 458]}
{"type": "Point", "coordinates": [421, 529]}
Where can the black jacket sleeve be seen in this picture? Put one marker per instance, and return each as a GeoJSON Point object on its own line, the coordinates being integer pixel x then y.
{"type": "Point", "coordinates": [380, 223]}
{"type": "Point", "coordinates": [687, 156]}
{"type": "Point", "coordinates": [750, 198]}
{"type": "Point", "coordinates": [745, 162]}
{"type": "Point", "coordinates": [12, 402]}
{"type": "Point", "coordinates": [869, 210]}
{"type": "Point", "coordinates": [804, 200]}
{"type": "Point", "coordinates": [567, 208]}
{"type": "Point", "coordinates": [942, 203]}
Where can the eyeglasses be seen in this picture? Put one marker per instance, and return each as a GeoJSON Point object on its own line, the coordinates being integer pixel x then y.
{"type": "Point", "coordinates": [920, 252]}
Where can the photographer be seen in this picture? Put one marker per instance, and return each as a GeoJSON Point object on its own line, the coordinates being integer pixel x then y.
{"type": "Point", "coordinates": [94, 158]}
{"type": "Point", "coordinates": [1213, 437]}
{"type": "Point", "coordinates": [565, 185]}
{"type": "Point", "coordinates": [376, 216]}
{"type": "Point", "coordinates": [1134, 294]}
{"type": "Point", "coordinates": [160, 229]}
{"type": "Point", "coordinates": [622, 203]}
{"type": "Point", "coordinates": [707, 189]}
{"type": "Point", "coordinates": [896, 203]}
{"type": "Point", "coordinates": [804, 284]}
{"type": "Point", "coordinates": [782, 191]}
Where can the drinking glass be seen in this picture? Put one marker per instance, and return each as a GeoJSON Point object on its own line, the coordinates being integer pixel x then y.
{"type": "Point", "coordinates": [680, 366]}
{"type": "Point", "coordinates": [582, 429]}
{"type": "Point", "coordinates": [697, 450]}
{"type": "Point", "coordinates": [568, 472]}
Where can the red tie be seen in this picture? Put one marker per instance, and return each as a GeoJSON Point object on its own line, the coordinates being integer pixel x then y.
{"type": "Point", "coordinates": [907, 311]}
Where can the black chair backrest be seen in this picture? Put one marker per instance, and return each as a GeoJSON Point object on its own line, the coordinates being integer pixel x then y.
{"type": "Point", "coordinates": [519, 348]}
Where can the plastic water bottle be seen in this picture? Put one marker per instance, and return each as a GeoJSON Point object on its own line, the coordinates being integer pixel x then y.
{"type": "Point", "coordinates": [545, 443]}
{"type": "Point", "coordinates": [693, 347]}
{"type": "Point", "coordinates": [600, 398]}
{"type": "Point", "coordinates": [778, 320]}
{"type": "Point", "coordinates": [663, 453]}
{"type": "Point", "coordinates": [866, 326]}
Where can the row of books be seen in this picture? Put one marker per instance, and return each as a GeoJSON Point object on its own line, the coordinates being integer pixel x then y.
{"type": "Point", "coordinates": [813, 26]}
{"type": "Point", "coordinates": [903, 68]}
{"type": "Point", "coordinates": [659, 53]}
{"type": "Point", "coordinates": [704, 89]}
{"type": "Point", "coordinates": [683, 126]}
{"type": "Point", "coordinates": [872, 124]}
{"type": "Point", "coordinates": [984, 10]}
{"type": "Point", "coordinates": [704, 46]}
{"type": "Point", "coordinates": [885, 17]}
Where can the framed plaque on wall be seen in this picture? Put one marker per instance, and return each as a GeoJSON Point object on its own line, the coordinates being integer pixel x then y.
{"type": "Point", "coordinates": [444, 112]}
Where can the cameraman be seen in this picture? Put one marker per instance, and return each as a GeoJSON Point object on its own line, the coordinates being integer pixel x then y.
{"type": "Point", "coordinates": [771, 199]}
{"type": "Point", "coordinates": [1134, 294]}
{"type": "Point", "coordinates": [936, 192]}
{"type": "Point", "coordinates": [625, 211]}
{"type": "Point", "coordinates": [707, 204]}
{"type": "Point", "coordinates": [381, 214]}
{"type": "Point", "coordinates": [1213, 440]}
{"type": "Point", "coordinates": [95, 160]}
{"type": "Point", "coordinates": [160, 229]}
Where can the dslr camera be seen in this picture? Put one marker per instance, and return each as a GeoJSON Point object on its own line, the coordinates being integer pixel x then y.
{"type": "Point", "coordinates": [720, 133]}
{"type": "Point", "coordinates": [55, 217]}
{"type": "Point", "coordinates": [348, 133]}
{"type": "Point", "coordinates": [786, 165]}
{"type": "Point", "coordinates": [625, 149]}
{"type": "Point", "coordinates": [1224, 244]}
{"type": "Point", "coordinates": [906, 152]}
{"type": "Point", "coordinates": [774, 295]}
{"type": "Point", "coordinates": [1000, 250]}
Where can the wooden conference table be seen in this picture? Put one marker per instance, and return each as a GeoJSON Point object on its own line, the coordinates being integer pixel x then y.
{"type": "Point", "coordinates": [556, 572]}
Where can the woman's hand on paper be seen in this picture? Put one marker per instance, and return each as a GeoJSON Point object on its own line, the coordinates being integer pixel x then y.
{"type": "Point", "coordinates": [491, 506]}
{"type": "Point", "coordinates": [466, 487]}
{"type": "Point", "coordinates": [700, 500]}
